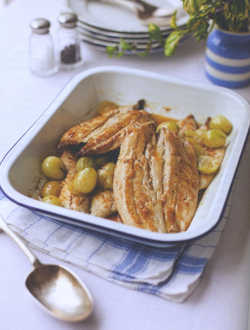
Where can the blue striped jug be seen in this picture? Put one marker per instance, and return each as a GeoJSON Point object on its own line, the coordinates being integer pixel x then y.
{"type": "Point", "coordinates": [228, 58]}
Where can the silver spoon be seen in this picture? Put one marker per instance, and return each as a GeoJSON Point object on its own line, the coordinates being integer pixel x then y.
{"type": "Point", "coordinates": [146, 12]}
{"type": "Point", "coordinates": [58, 290]}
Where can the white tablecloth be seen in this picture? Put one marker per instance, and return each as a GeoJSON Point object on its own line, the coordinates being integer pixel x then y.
{"type": "Point", "coordinates": [220, 301]}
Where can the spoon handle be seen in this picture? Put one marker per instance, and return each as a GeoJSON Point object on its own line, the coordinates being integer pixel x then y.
{"type": "Point", "coordinates": [32, 258]}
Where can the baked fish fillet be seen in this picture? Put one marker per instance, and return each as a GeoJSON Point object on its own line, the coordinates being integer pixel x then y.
{"type": "Point", "coordinates": [180, 180]}
{"type": "Point", "coordinates": [156, 181]}
{"type": "Point", "coordinates": [104, 132]}
{"type": "Point", "coordinates": [134, 194]}
{"type": "Point", "coordinates": [67, 198]}
{"type": "Point", "coordinates": [78, 133]}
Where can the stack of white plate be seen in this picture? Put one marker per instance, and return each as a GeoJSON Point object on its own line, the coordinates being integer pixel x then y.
{"type": "Point", "coordinates": [103, 24]}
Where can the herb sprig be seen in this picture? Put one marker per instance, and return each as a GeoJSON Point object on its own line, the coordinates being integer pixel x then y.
{"type": "Point", "coordinates": [229, 15]}
{"type": "Point", "coordinates": [124, 46]}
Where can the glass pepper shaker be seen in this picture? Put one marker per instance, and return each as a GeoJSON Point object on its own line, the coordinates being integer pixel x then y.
{"type": "Point", "coordinates": [68, 42]}
{"type": "Point", "coordinates": [41, 48]}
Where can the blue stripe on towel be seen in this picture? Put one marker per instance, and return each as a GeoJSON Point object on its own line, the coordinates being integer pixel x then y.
{"type": "Point", "coordinates": [189, 264]}
{"type": "Point", "coordinates": [148, 288]}
{"type": "Point", "coordinates": [125, 262]}
{"type": "Point", "coordinates": [193, 261]}
{"type": "Point", "coordinates": [121, 277]}
{"type": "Point", "coordinates": [189, 269]}
{"type": "Point", "coordinates": [52, 233]}
{"type": "Point", "coordinates": [139, 265]}
{"type": "Point", "coordinates": [96, 250]}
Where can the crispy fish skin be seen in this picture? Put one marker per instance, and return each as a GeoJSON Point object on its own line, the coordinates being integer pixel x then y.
{"type": "Point", "coordinates": [78, 133]}
{"type": "Point", "coordinates": [67, 198]}
{"type": "Point", "coordinates": [189, 181]}
{"type": "Point", "coordinates": [133, 189]}
{"type": "Point", "coordinates": [111, 134]}
{"type": "Point", "coordinates": [123, 176]}
{"type": "Point", "coordinates": [102, 133]}
{"type": "Point", "coordinates": [168, 176]}
{"type": "Point", "coordinates": [180, 179]}
{"type": "Point", "coordinates": [156, 181]}
{"type": "Point", "coordinates": [144, 196]}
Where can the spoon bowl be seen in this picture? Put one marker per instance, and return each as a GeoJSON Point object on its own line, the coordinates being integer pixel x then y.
{"type": "Point", "coordinates": [60, 292]}
{"type": "Point", "coordinates": [54, 287]}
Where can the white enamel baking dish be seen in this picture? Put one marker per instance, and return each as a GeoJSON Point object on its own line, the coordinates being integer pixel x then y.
{"type": "Point", "coordinates": [20, 169]}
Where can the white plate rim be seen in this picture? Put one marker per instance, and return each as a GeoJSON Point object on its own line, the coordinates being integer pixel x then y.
{"type": "Point", "coordinates": [143, 29]}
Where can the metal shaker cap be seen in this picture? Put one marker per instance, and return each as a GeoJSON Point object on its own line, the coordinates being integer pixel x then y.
{"type": "Point", "coordinates": [40, 26]}
{"type": "Point", "coordinates": [68, 20]}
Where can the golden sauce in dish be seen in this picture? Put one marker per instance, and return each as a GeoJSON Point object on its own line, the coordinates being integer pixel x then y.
{"type": "Point", "coordinates": [161, 119]}
{"type": "Point", "coordinates": [105, 106]}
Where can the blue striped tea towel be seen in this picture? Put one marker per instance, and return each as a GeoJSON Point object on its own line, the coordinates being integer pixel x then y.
{"type": "Point", "coordinates": [172, 273]}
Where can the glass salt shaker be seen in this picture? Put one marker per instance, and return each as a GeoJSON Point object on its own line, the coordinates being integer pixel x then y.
{"type": "Point", "coordinates": [41, 48]}
{"type": "Point", "coordinates": [68, 42]}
